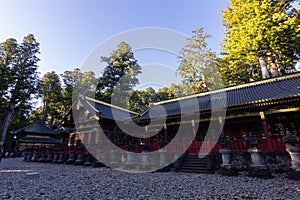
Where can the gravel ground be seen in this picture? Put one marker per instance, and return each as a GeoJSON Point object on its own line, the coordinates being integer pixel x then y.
{"type": "Point", "coordinates": [77, 182]}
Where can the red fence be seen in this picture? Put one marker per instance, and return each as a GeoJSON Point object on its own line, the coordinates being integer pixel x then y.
{"type": "Point", "coordinates": [238, 145]}
{"type": "Point", "coordinates": [207, 147]}
{"type": "Point", "coordinates": [268, 145]}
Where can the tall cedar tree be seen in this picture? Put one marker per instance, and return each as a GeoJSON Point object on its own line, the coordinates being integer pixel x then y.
{"type": "Point", "coordinates": [119, 76]}
{"type": "Point", "coordinates": [76, 83]}
{"type": "Point", "coordinates": [57, 98]}
{"type": "Point", "coordinates": [19, 78]}
{"type": "Point", "coordinates": [69, 79]}
{"type": "Point", "coordinates": [262, 39]}
{"type": "Point", "coordinates": [198, 64]}
{"type": "Point", "coordinates": [51, 92]}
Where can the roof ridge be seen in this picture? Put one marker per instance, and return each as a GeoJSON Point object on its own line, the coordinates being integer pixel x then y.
{"type": "Point", "coordinates": [110, 105]}
{"type": "Point", "coordinates": [32, 124]}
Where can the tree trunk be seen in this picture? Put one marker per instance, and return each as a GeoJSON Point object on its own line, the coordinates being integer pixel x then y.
{"type": "Point", "coordinates": [7, 121]}
{"type": "Point", "coordinates": [274, 68]}
{"type": "Point", "coordinates": [45, 111]}
{"type": "Point", "coordinates": [51, 122]}
{"type": "Point", "coordinates": [204, 83]}
{"type": "Point", "coordinates": [263, 67]}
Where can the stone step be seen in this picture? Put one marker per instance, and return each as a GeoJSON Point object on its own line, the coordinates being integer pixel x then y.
{"type": "Point", "coordinates": [196, 161]}
{"type": "Point", "coordinates": [193, 168]}
{"type": "Point", "coordinates": [194, 164]}
{"type": "Point", "coordinates": [202, 171]}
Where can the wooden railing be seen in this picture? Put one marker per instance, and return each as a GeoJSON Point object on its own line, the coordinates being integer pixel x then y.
{"type": "Point", "coordinates": [208, 147]}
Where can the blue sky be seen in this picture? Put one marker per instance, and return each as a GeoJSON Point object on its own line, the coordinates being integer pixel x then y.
{"type": "Point", "coordinates": [69, 30]}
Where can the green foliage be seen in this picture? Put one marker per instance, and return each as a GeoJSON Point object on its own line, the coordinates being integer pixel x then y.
{"type": "Point", "coordinates": [19, 78]}
{"type": "Point", "coordinates": [175, 91]}
{"type": "Point", "coordinates": [51, 92]}
{"type": "Point", "coordinates": [262, 36]}
{"type": "Point", "coordinates": [119, 76]}
{"type": "Point", "coordinates": [36, 115]}
{"type": "Point", "coordinates": [141, 100]}
{"type": "Point", "coordinates": [77, 83]}
{"type": "Point", "coordinates": [69, 79]}
{"type": "Point", "coordinates": [57, 98]}
{"type": "Point", "coordinates": [167, 93]}
{"type": "Point", "coordinates": [86, 84]}
{"type": "Point", "coordinates": [198, 64]}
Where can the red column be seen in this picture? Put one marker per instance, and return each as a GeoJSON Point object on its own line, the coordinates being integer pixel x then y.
{"type": "Point", "coordinates": [266, 132]}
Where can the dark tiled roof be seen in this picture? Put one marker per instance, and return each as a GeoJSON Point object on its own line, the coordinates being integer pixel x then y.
{"type": "Point", "coordinates": [106, 110]}
{"type": "Point", "coordinates": [251, 93]}
{"type": "Point", "coordinates": [37, 128]}
{"type": "Point", "coordinates": [261, 91]}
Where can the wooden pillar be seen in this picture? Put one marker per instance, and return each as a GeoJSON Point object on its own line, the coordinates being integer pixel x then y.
{"type": "Point", "coordinates": [221, 127]}
{"type": "Point", "coordinates": [264, 123]}
{"type": "Point", "coordinates": [97, 135]}
{"type": "Point", "coordinates": [125, 138]}
{"type": "Point", "coordinates": [147, 139]}
{"type": "Point", "coordinates": [166, 133]}
{"type": "Point", "coordinates": [93, 150]}
{"type": "Point", "coordinates": [89, 138]}
{"type": "Point", "coordinates": [115, 135]}
{"type": "Point", "coordinates": [17, 145]}
{"type": "Point", "coordinates": [194, 129]}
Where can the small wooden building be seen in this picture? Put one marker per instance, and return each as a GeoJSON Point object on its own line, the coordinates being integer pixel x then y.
{"type": "Point", "coordinates": [36, 134]}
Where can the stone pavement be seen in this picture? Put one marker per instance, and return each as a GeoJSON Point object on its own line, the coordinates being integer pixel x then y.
{"type": "Point", "coordinates": [54, 181]}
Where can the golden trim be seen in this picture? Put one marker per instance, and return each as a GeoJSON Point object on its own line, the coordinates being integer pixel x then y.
{"type": "Point", "coordinates": [262, 115]}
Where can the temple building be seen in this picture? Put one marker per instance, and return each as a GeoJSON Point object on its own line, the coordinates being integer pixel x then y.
{"type": "Point", "coordinates": [266, 110]}
{"type": "Point", "coordinates": [36, 135]}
